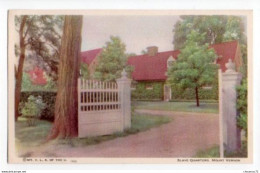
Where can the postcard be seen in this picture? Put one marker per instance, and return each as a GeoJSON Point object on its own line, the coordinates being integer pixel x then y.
{"type": "Point", "coordinates": [130, 86]}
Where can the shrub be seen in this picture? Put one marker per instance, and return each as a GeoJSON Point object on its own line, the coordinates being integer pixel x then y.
{"type": "Point", "coordinates": [242, 106]}
{"type": "Point", "coordinates": [47, 97]}
{"type": "Point", "coordinates": [32, 108]}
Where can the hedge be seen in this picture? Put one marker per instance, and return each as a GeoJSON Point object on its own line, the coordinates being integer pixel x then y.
{"type": "Point", "coordinates": [141, 93]}
{"type": "Point", "coordinates": [156, 93]}
{"type": "Point", "coordinates": [47, 97]}
{"type": "Point", "coordinates": [189, 94]}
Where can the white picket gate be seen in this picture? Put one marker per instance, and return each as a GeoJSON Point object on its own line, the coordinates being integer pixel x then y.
{"type": "Point", "coordinates": [103, 107]}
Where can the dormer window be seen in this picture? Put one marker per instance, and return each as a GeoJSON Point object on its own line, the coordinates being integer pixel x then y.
{"type": "Point", "coordinates": [170, 61]}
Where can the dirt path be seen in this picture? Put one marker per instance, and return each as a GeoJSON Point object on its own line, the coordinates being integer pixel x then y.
{"type": "Point", "coordinates": [182, 137]}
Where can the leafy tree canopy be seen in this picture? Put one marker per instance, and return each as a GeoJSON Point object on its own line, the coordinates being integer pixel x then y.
{"type": "Point", "coordinates": [217, 28]}
{"type": "Point", "coordinates": [27, 84]}
{"type": "Point", "coordinates": [42, 37]}
{"type": "Point", "coordinates": [143, 52]}
{"type": "Point", "coordinates": [234, 30]}
{"type": "Point", "coordinates": [112, 60]}
{"type": "Point", "coordinates": [195, 66]}
{"type": "Point", "coordinates": [84, 71]}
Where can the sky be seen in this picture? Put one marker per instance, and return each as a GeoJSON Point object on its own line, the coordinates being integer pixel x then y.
{"type": "Point", "coordinates": [137, 32]}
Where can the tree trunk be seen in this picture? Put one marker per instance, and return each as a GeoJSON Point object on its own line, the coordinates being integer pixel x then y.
{"type": "Point", "coordinates": [19, 72]}
{"type": "Point", "coordinates": [66, 119]}
{"type": "Point", "coordinates": [197, 96]}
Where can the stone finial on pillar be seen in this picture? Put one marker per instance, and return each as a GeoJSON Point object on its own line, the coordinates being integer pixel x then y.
{"type": "Point", "coordinates": [123, 74]}
{"type": "Point", "coordinates": [230, 66]}
{"type": "Point", "coordinates": [124, 86]}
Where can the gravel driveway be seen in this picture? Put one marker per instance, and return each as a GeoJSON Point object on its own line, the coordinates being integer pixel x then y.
{"type": "Point", "coordinates": [182, 137]}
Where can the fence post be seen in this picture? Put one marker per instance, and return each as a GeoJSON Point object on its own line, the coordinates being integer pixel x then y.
{"type": "Point", "coordinates": [221, 122]}
{"type": "Point", "coordinates": [231, 133]}
{"type": "Point", "coordinates": [125, 98]}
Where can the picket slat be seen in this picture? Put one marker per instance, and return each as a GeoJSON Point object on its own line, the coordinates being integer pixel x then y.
{"type": "Point", "coordinates": [98, 95]}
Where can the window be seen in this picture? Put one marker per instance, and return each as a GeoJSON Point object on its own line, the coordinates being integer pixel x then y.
{"type": "Point", "coordinates": [170, 61]}
{"type": "Point", "coordinates": [149, 86]}
{"type": "Point", "coordinates": [207, 87]}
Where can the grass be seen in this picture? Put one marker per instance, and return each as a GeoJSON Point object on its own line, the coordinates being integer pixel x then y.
{"type": "Point", "coordinates": [177, 106]}
{"type": "Point", "coordinates": [209, 153]}
{"type": "Point", "coordinates": [29, 136]}
{"type": "Point", "coordinates": [241, 153]}
{"type": "Point", "coordinates": [214, 152]}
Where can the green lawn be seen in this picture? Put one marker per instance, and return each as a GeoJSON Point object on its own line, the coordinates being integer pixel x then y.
{"type": "Point", "coordinates": [177, 106]}
{"type": "Point", "coordinates": [29, 136]}
{"type": "Point", "coordinates": [212, 152]}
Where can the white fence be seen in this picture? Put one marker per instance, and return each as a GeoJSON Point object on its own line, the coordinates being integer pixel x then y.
{"type": "Point", "coordinates": [98, 96]}
{"type": "Point", "coordinates": [103, 107]}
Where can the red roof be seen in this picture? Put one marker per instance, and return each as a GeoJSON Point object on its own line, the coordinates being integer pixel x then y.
{"type": "Point", "coordinates": [88, 56]}
{"type": "Point", "coordinates": [151, 67]}
{"type": "Point", "coordinates": [225, 51]}
{"type": "Point", "coordinates": [155, 67]}
{"type": "Point", "coordinates": [37, 77]}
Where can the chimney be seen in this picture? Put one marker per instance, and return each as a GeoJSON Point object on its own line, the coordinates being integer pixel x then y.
{"type": "Point", "coordinates": [152, 50]}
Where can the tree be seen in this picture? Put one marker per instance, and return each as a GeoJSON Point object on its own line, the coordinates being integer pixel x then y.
{"type": "Point", "coordinates": [42, 37]}
{"type": "Point", "coordinates": [51, 84]}
{"type": "Point", "coordinates": [130, 54]}
{"type": "Point", "coordinates": [195, 66]}
{"type": "Point", "coordinates": [217, 29]}
{"type": "Point", "coordinates": [38, 38]}
{"type": "Point", "coordinates": [235, 31]}
{"type": "Point", "coordinates": [112, 60]}
{"type": "Point", "coordinates": [84, 71]}
{"type": "Point", "coordinates": [28, 85]}
{"type": "Point", "coordinates": [19, 71]}
{"type": "Point", "coordinates": [26, 82]}
{"type": "Point", "coordinates": [143, 52]}
{"type": "Point", "coordinates": [65, 116]}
